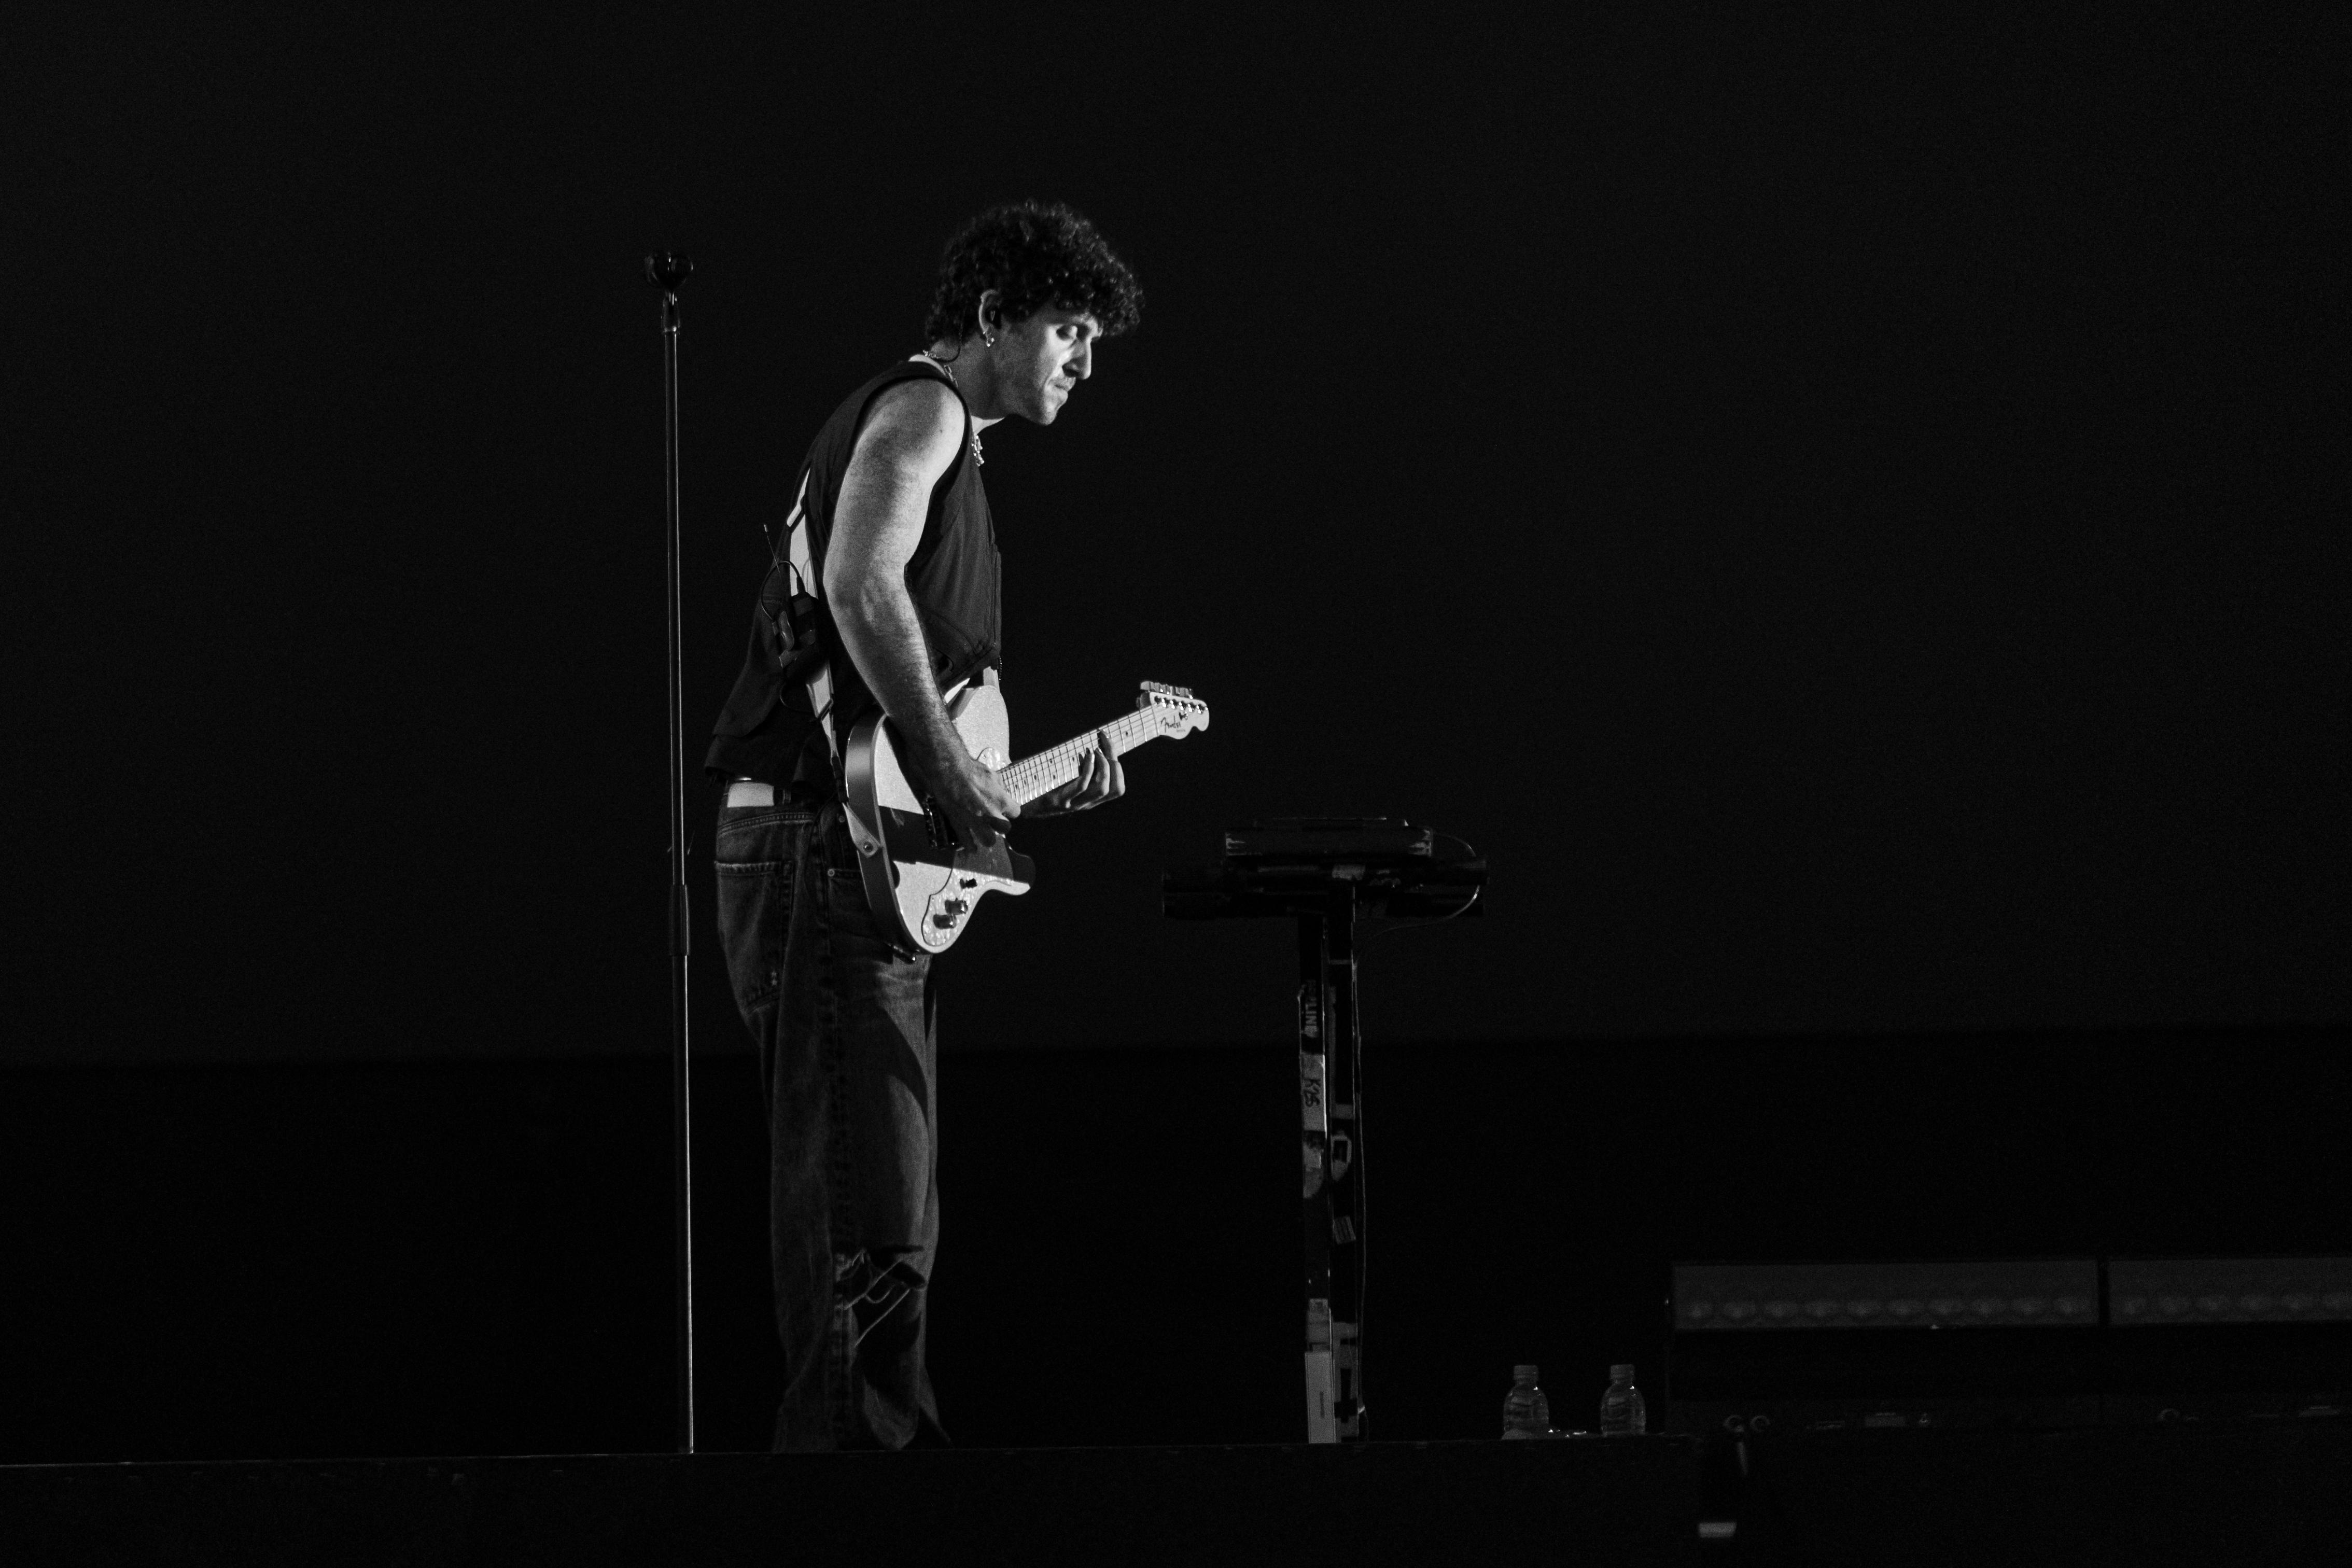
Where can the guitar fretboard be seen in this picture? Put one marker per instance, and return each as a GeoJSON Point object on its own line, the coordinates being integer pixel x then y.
{"type": "Point", "coordinates": [1032, 776]}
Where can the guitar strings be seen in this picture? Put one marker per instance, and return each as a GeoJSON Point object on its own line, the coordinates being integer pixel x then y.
{"type": "Point", "coordinates": [1070, 750]}
{"type": "Point", "coordinates": [1126, 732]}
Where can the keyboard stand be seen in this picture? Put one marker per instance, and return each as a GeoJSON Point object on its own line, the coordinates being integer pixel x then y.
{"type": "Point", "coordinates": [1326, 874]}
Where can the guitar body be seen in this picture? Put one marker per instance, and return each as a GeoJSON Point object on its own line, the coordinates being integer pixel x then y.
{"type": "Point", "coordinates": [920, 883]}
{"type": "Point", "coordinates": [917, 879]}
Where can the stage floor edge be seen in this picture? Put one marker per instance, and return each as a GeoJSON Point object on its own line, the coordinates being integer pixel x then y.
{"type": "Point", "coordinates": [1620, 1501]}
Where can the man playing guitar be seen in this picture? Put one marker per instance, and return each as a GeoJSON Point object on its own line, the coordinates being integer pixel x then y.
{"type": "Point", "coordinates": [882, 595]}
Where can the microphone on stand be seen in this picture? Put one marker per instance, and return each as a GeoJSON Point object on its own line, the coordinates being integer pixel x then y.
{"type": "Point", "coordinates": [666, 272]}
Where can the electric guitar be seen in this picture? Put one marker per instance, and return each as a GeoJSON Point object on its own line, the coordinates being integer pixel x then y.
{"type": "Point", "coordinates": [920, 880]}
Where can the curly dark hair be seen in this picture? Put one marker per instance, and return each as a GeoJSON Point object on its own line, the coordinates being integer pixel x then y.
{"type": "Point", "coordinates": [1034, 254]}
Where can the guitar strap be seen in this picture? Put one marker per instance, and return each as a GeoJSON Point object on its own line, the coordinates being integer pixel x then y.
{"type": "Point", "coordinates": [807, 582]}
{"type": "Point", "coordinates": [802, 563]}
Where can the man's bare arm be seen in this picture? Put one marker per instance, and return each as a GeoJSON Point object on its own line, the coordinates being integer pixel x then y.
{"type": "Point", "coordinates": [911, 434]}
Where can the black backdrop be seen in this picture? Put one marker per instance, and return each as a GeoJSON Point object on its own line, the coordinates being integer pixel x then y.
{"type": "Point", "coordinates": [243, 1259]}
{"type": "Point", "coordinates": [1845, 512]}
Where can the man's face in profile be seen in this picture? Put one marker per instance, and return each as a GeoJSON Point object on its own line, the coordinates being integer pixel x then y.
{"type": "Point", "coordinates": [1042, 358]}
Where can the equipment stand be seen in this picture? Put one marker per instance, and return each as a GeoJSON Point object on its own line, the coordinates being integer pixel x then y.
{"type": "Point", "coordinates": [666, 272]}
{"type": "Point", "coordinates": [1325, 873]}
{"type": "Point", "coordinates": [1331, 1059]}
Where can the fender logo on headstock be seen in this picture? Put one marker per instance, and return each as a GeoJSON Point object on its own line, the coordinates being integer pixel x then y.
{"type": "Point", "coordinates": [1180, 710]}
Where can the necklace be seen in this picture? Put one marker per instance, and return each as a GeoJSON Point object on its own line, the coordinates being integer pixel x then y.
{"type": "Point", "coordinates": [971, 434]}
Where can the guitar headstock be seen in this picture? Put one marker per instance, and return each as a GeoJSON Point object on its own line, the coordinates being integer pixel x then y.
{"type": "Point", "coordinates": [1176, 709]}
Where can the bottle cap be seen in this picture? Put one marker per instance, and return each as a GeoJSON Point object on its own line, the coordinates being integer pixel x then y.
{"type": "Point", "coordinates": [1527, 1371]}
{"type": "Point", "coordinates": [1622, 1372]}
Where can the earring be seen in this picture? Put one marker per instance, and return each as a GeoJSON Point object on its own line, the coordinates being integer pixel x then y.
{"type": "Point", "coordinates": [987, 341]}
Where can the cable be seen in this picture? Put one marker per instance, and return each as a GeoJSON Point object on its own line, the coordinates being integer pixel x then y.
{"type": "Point", "coordinates": [1470, 852]}
{"type": "Point", "coordinates": [1363, 1225]}
{"type": "Point", "coordinates": [1363, 1205]}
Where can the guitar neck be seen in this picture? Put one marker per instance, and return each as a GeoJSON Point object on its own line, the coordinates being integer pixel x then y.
{"type": "Point", "coordinates": [1049, 770]}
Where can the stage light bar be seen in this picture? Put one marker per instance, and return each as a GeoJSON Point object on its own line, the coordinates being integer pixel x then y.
{"type": "Point", "coordinates": [2157, 1292]}
{"type": "Point", "coordinates": [2025, 1293]}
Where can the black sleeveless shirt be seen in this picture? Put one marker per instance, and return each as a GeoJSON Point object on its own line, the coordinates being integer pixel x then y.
{"type": "Point", "coordinates": [767, 729]}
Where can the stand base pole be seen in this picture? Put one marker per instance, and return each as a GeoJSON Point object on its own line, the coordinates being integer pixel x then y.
{"type": "Point", "coordinates": [666, 272]}
{"type": "Point", "coordinates": [1331, 1167]}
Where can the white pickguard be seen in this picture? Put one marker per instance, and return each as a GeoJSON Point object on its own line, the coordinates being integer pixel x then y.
{"type": "Point", "coordinates": [934, 901]}
{"type": "Point", "coordinates": [915, 878]}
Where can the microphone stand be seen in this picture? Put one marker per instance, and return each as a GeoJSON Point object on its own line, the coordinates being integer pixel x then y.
{"type": "Point", "coordinates": [666, 272]}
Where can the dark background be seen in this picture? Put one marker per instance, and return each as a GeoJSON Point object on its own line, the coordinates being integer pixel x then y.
{"type": "Point", "coordinates": [1844, 511]}
{"type": "Point", "coordinates": [288, 1260]}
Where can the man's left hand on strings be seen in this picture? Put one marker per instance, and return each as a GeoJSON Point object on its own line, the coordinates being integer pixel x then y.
{"type": "Point", "coordinates": [1101, 779]}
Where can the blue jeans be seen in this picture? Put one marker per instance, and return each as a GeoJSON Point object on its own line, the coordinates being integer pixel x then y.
{"type": "Point", "coordinates": [846, 1038]}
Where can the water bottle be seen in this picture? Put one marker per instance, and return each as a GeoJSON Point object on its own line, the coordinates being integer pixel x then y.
{"type": "Point", "coordinates": [1526, 1412]}
{"type": "Point", "coordinates": [1622, 1411]}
